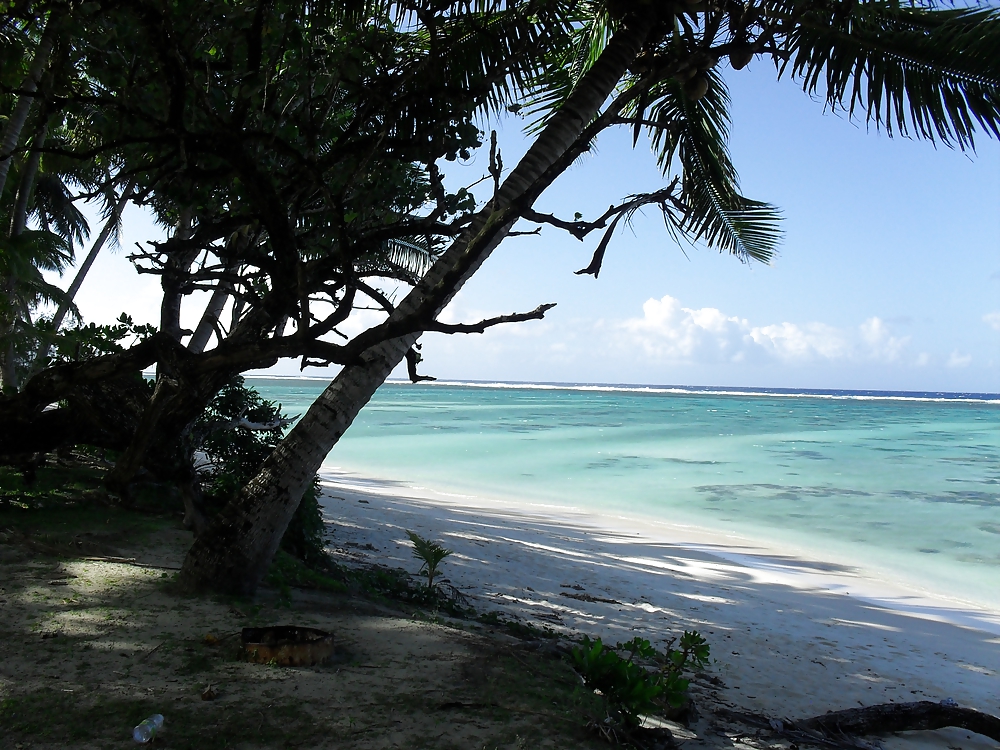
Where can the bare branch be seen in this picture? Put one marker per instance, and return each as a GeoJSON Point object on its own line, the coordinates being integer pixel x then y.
{"type": "Point", "coordinates": [578, 229]}
{"type": "Point", "coordinates": [537, 314]}
{"type": "Point", "coordinates": [660, 197]}
{"type": "Point", "coordinates": [413, 358]}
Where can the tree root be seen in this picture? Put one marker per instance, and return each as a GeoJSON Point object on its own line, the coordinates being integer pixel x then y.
{"type": "Point", "coordinates": [843, 729]}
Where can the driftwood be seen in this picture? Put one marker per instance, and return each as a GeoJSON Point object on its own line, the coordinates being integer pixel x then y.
{"type": "Point", "coordinates": [843, 728]}
{"type": "Point", "coordinates": [904, 717]}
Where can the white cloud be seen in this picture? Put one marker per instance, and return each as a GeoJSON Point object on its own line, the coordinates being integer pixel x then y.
{"type": "Point", "coordinates": [669, 331]}
{"type": "Point", "coordinates": [959, 360]}
{"type": "Point", "coordinates": [992, 320]}
{"type": "Point", "coordinates": [791, 342]}
{"type": "Point", "coordinates": [880, 341]}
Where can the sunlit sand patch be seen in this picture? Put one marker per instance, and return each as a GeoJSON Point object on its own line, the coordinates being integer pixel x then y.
{"type": "Point", "coordinates": [530, 602]}
{"type": "Point", "coordinates": [864, 624]}
{"type": "Point", "coordinates": [977, 668]}
{"type": "Point", "coordinates": [81, 624]}
{"type": "Point", "coordinates": [470, 537]}
{"type": "Point", "coordinates": [699, 569]}
{"type": "Point", "coordinates": [457, 556]}
{"type": "Point", "coordinates": [874, 678]}
{"type": "Point", "coordinates": [705, 598]}
{"type": "Point", "coordinates": [545, 547]}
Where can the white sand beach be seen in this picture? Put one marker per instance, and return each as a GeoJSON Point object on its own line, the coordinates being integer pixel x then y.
{"type": "Point", "coordinates": [790, 637]}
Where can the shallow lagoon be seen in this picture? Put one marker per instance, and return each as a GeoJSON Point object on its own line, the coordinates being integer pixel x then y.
{"type": "Point", "coordinates": [906, 488]}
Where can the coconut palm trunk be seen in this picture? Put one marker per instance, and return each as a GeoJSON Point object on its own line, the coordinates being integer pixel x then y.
{"type": "Point", "coordinates": [210, 318]}
{"type": "Point", "coordinates": [233, 554]}
{"type": "Point", "coordinates": [95, 249]}
{"type": "Point", "coordinates": [10, 378]}
{"type": "Point", "coordinates": [12, 132]}
{"type": "Point", "coordinates": [19, 215]}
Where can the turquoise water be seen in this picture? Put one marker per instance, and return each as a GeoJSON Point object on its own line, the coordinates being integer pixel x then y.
{"type": "Point", "coordinates": [906, 488]}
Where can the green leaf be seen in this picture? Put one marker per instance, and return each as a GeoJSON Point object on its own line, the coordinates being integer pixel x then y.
{"type": "Point", "coordinates": [918, 71]}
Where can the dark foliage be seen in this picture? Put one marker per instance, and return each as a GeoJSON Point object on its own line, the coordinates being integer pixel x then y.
{"type": "Point", "coordinates": [238, 430]}
{"type": "Point", "coordinates": [642, 680]}
{"type": "Point", "coordinates": [91, 340]}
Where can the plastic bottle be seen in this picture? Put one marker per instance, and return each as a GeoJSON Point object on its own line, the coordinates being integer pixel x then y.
{"type": "Point", "coordinates": [147, 730]}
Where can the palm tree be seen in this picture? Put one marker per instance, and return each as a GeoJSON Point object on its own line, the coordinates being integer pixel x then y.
{"type": "Point", "coordinates": [41, 194]}
{"type": "Point", "coordinates": [917, 70]}
{"type": "Point", "coordinates": [37, 185]}
{"type": "Point", "coordinates": [110, 231]}
{"type": "Point", "coordinates": [23, 258]}
{"type": "Point", "coordinates": [18, 115]}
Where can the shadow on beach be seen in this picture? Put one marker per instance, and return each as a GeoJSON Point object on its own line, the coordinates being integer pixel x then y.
{"type": "Point", "coordinates": [790, 637]}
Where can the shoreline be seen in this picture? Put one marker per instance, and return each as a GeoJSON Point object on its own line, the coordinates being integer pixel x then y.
{"type": "Point", "coordinates": [787, 638]}
{"type": "Point", "coordinates": [770, 562]}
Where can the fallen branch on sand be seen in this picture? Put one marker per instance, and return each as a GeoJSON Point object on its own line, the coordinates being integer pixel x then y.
{"type": "Point", "coordinates": [589, 598]}
{"type": "Point", "coordinates": [843, 728]}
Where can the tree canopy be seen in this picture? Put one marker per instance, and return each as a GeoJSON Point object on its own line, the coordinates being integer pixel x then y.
{"type": "Point", "coordinates": [296, 150]}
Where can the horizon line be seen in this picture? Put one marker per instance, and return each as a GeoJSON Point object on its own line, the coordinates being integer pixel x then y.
{"type": "Point", "coordinates": [851, 393]}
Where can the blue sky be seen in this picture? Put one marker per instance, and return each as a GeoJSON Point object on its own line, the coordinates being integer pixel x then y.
{"type": "Point", "coordinates": [888, 278]}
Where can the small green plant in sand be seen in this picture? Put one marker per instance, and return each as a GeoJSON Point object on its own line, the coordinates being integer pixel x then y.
{"type": "Point", "coordinates": [634, 678]}
{"type": "Point", "coordinates": [430, 554]}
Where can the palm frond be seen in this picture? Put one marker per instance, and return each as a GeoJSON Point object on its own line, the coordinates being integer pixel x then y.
{"type": "Point", "coordinates": [414, 255]}
{"type": "Point", "coordinates": [691, 138]}
{"type": "Point", "coordinates": [926, 72]}
{"type": "Point", "coordinates": [34, 248]}
{"type": "Point", "coordinates": [404, 259]}
{"type": "Point", "coordinates": [593, 28]}
{"type": "Point", "coordinates": [53, 207]}
{"type": "Point", "coordinates": [493, 54]}
{"type": "Point", "coordinates": [490, 45]}
{"type": "Point", "coordinates": [22, 260]}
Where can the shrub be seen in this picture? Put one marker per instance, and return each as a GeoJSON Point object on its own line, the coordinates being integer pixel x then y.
{"type": "Point", "coordinates": [238, 430]}
{"type": "Point", "coordinates": [431, 554]}
{"type": "Point", "coordinates": [641, 681]}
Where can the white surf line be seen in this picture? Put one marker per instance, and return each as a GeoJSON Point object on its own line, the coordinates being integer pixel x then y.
{"type": "Point", "coordinates": [687, 391]}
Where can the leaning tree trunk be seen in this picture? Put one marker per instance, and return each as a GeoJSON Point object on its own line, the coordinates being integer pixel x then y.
{"type": "Point", "coordinates": [15, 123]}
{"type": "Point", "coordinates": [95, 249]}
{"type": "Point", "coordinates": [233, 554]}
{"type": "Point", "coordinates": [173, 393]}
{"type": "Point", "coordinates": [10, 378]}
{"type": "Point", "coordinates": [210, 318]}
{"type": "Point", "coordinates": [209, 322]}
{"type": "Point", "coordinates": [19, 215]}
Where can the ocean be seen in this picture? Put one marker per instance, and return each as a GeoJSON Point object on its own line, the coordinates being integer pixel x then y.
{"type": "Point", "coordinates": [903, 487]}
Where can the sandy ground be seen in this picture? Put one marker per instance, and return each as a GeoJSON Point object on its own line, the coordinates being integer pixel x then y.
{"type": "Point", "coordinates": [785, 642]}
{"type": "Point", "coordinates": [88, 648]}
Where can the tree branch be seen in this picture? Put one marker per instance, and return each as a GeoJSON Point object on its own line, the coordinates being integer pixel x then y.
{"type": "Point", "coordinates": [580, 229]}
{"type": "Point", "coordinates": [841, 729]}
{"type": "Point", "coordinates": [413, 359]}
{"type": "Point", "coordinates": [660, 197]}
{"type": "Point", "coordinates": [537, 314]}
